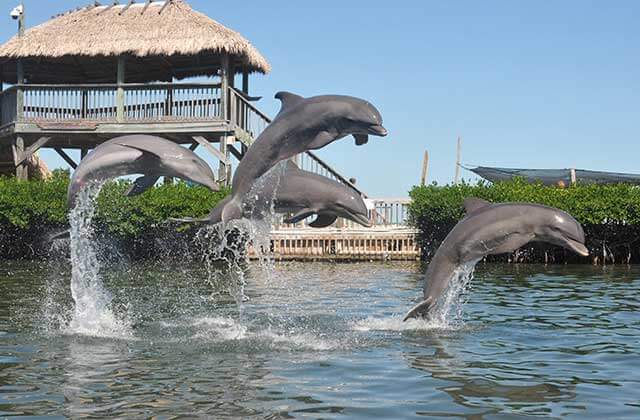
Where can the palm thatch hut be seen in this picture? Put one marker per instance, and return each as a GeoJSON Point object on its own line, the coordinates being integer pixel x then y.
{"type": "Point", "coordinates": [159, 41]}
{"type": "Point", "coordinates": [106, 70]}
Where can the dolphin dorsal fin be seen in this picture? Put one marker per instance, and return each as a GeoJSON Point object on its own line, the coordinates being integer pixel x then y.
{"type": "Point", "coordinates": [472, 204]}
{"type": "Point", "coordinates": [288, 100]}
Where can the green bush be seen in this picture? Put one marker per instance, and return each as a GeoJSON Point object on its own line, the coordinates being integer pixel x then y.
{"type": "Point", "coordinates": [30, 209]}
{"type": "Point", "coordinates": [610, 214]}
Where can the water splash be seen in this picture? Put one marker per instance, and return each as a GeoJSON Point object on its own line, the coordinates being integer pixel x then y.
{"type": "Point", "coordinates": [448, 312]}
{"type": "Point", "coordinates": [226, 249]}
{"type": "Point", "coordinates": [93, 314]}
{"type": "Point", "coordinates": [447, 315]}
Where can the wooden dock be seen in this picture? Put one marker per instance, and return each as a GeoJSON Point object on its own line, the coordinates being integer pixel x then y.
{"type": "Point", "coordinates": [350, 244]}
{"type": "Point", "coordinates": [390, 238]}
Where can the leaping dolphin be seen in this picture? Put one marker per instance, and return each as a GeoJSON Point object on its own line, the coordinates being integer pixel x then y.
{"type": "Point", "coordinates": [302, 124]}
{"type": "Point", "coordinates": [300, 192]}
{"type": "Point", "coordinates": [150, 156]}
{"type": "Point", "coordinates": [489, 229]}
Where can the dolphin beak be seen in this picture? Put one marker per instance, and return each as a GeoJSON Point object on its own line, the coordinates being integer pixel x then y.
{"type": "Point", "coordinates": [577, 247]}
{"type": "Point", "coordinates": [210, 183]}
{"type": "Point", "coordinates": [378, 130]}
{"type": "Point", "coordinates": [363, 220]}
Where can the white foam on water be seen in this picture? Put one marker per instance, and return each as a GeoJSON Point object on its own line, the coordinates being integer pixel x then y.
{"type": "Point", "coordinates": [447, 315]}
{"type": "Point", "coordinates": [221, 329]}
{"type": "Point", "coordinates": [92, 315]}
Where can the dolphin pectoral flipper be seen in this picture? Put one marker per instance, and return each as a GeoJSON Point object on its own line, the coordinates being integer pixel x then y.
{"type": "Point", "coordinates": [512, 242]}
{"type": "Point", "coordinates": [420, 310]}
{"type": "Point", "coordinates": [141, 184]}
{"type": "Point", "coordinates": [301, 215]}
{"type": "Point", "coordinates": [322, 139]}
{"type": "Point", "coordinates": [323, 220]}
{"type": "Point", "coordinates": [361, 139]}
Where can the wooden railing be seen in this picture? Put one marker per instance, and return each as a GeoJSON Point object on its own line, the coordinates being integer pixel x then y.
{"type": "Point", "coordinates": [8, 106]}
{"type": "Point", "coordinates": [393, 213]}
{"type": "Point", "coordinates": [99, 102]}
{"type": "Point", "coordinates": [390, 212]}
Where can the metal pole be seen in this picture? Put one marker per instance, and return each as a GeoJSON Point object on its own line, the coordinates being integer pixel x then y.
{"type": "Point", "coordinates": [458, 153]}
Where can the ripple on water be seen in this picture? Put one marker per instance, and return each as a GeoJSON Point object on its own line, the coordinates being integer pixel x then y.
{"type": "Point", "coordinates": [324, 340]}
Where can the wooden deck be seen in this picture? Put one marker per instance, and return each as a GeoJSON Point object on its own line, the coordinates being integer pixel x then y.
{"type": "Point", "coordinates": [390, 238]}
{"type": "Point", "coordinates": [350, 244]}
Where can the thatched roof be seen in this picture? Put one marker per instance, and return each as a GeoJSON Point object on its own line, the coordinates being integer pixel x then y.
{"type": "Point", "coordinates": [160, 39]}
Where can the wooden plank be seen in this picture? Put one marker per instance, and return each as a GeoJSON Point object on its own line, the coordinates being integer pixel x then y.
{"type": "Point", "coordinates": [32, 149]}
{"type": "Point", "coordinates": [235, 152]}
{"type": "Point", "coordinates": [215, 152]}
{"type": "Point", "coordinates": [66, 157]}
{"type": "Point", "coordinates": [68, 125]}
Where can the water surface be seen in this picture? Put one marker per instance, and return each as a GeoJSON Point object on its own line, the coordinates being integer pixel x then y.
{"type": "Point", "coordinates": [323, 341]}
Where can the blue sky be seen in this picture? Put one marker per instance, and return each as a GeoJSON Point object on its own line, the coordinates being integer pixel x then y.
{"type": "Point", "coordinates": [535, 84]}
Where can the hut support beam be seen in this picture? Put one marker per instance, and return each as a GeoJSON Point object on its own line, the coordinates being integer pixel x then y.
{"type": "Point", "coordinates": [120, 91]}
{"type": "Point", "coordinates": [224, 82]}
{"type": "Point", "coordinates": [22, 172]}
{"type": "Point", "coordinates": [66, 157]}
{"type": "Point", "coordinates": [245, 81]}
{"type": "Point", "coordinates": [32, 149]}
{"type": "Point", "coordinates": [235, 152]}
{"type": "Point", "coordinates": [19, 91]}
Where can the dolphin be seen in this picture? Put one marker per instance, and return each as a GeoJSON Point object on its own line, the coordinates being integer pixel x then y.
{"type": "Point", "coordinates": [489, 229]}
{"type": "Point", "coordinates": [302, 124]}
{"type": "Point", "coordinates": [150, 156]}
{"type": "Point", "coordinates": [300, 192]}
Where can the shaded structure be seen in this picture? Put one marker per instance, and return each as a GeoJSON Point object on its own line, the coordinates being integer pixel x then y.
{"type": "Point", "coordinates": [103, 71]}
{"type": "Point", "coordinates": [562, 177]}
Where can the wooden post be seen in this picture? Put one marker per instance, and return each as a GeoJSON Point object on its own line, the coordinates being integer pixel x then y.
{"type": "Point", "coordinates": [222, 166]}
{"type": "Point", "coordinates": [459, 146]}
{"type": "Point", "coordinates": [573, 176]}
{"type": "Point", "coordinates": [224, 83]}
{"type": "Point", "coordinates": [19, 91]}
{"type": "Point", "coordinates": [20, 71]}
{"type": "Point", "coordinates": [425, 168]}
{"type": "Point", "coordinates": [245, 81]}
{"type": "Point", "coordinates": [120, 92]}
{"type": "Point", "coordinates": [22, 171]}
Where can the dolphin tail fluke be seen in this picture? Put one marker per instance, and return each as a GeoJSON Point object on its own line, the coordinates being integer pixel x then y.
{"type": "Point", "coordinates": [232, 211]}
{"type": "Point", "coordinates": [420, 310]}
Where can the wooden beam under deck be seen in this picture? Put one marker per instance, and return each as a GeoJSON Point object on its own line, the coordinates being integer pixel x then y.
{"type": "Point", "coordinates": [66, 157]}
{"type": "Point", "coordinates": [78, 136]}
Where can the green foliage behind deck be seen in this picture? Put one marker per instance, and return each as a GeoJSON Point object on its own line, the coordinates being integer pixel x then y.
{"type": "Point", "coordinates": [610, 214]}
{"type": "Point", "coordinates": [30, 210]}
